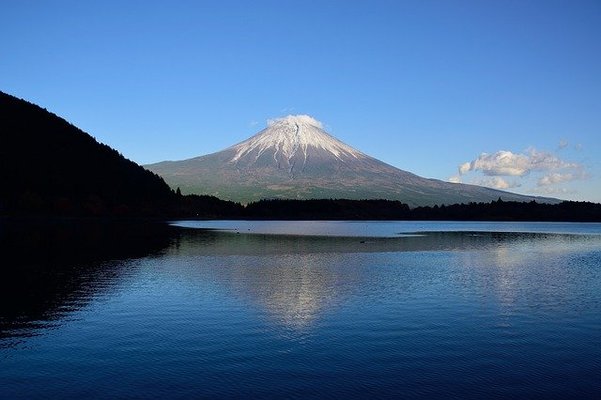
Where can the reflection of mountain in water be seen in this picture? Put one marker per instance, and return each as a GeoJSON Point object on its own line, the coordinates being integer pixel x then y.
{"type": "Point", "coordinates": [51, 269]}
{"type": "Point", "coordinates": [297, 278]}
{"type": "Point", "coordinates": [294, 289]}
{"type": "Point", "coordinates": [54, 267]}
{"type": "Point", "coordinates": [281, 274]}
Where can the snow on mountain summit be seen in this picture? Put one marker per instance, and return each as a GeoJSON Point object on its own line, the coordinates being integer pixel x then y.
{"type": "Point", "coordinates": [302, 119]}
{"type": "Point", "coordinates": [295, 158]}
{"type": "Point", "coordinates": [293, 137]}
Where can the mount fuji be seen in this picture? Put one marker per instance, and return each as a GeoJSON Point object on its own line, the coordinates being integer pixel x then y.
{"type": "Point", "coordinates": [295, 158]}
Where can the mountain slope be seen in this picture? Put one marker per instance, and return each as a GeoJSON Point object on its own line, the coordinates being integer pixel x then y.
{"type": "Point", "coordinates": [295, 158]}
{"type": "Point", "coordinates": [49, 166]}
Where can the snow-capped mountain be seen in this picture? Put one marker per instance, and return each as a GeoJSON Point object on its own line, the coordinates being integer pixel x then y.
{"type": "Point", "coordinates": [294, 157]}
{"type": "Point", "coordinates": [290, 140]}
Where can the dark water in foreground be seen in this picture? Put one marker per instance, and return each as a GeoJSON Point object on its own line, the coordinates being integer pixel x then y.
{"type": "Point", "coordinates": [92, 310]}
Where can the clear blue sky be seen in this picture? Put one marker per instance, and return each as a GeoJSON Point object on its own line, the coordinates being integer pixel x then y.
{"type": "Point", "coordinates": [426, 86]}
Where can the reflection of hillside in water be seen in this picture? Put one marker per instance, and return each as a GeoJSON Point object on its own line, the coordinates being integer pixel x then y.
{"type": "Point", "coordinates": [51, 269]}
{"type": "Point", "coordinates": [54, 267]}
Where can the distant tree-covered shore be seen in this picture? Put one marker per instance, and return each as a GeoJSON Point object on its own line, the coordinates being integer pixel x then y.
{"type": "Point", "coordinates": [210, 207]}
{"type": "Point", "coordinates": [393, 210]}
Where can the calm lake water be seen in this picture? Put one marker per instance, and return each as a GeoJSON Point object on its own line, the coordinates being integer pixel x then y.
{"type": "Point", "coordinates": [414, 310]}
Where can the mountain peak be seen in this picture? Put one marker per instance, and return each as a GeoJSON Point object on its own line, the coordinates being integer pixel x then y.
{"type": "Point", "coordinates": [291, 140]}
{"type": "Point", "coordinates": [300, 119]}
{"type": "Point", "coordinates": [294, 157]}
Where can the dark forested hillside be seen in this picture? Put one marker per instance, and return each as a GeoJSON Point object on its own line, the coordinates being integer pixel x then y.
{"type": "Point", "coordinates": [575, 211]}
{"type": "Point", "coordinates": [48, 166]}
{"type": "Point", "coordinates": [498, 210]}
{"type": "Point", "coordinates": [325, 209]}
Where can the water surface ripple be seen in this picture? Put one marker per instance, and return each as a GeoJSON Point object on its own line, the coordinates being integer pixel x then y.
{"type": "Point", "coordinates": [322, 310]}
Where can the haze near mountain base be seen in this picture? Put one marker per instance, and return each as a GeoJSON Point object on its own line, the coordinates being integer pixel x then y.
{"type": "Point", "coordinates": [295, 158]}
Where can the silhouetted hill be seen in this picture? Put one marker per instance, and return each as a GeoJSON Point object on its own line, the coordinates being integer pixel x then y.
{"type": "Point", "coordinates": [48, 166]}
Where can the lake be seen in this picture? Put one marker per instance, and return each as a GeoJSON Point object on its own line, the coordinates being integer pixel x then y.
{"type": "Point", "coordinates": [250, 309]}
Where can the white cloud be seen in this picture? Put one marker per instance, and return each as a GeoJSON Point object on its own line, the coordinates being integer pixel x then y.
{"type": "Point", "coordinates": [558, 177]}
{"type": "Point", "coordinates": [506, 163]}
{"type": "Point", "coordinates": [563, 144]}
{"type": "Point", "coordinates": [543, 161]}
{"type": "Point", "coordinates": [554, 190]}
{"type": "Point", "coordinates": [464, 168]}
{"type": "Point", "coordinates": [501, 163]}
{"type": "Point", "coordinates": [548, 171]}
{"type": "Point", "coordinates": [553, 178]}
{"type": "Point", "coordinates": [496, 182]}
